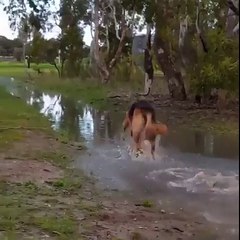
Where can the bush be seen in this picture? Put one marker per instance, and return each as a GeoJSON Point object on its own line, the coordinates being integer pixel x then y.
{"type": "Point", "coordinates": [219, 67]}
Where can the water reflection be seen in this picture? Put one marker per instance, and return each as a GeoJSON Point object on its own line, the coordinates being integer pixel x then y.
{"type": "Point", "coordinates": [82, 122]}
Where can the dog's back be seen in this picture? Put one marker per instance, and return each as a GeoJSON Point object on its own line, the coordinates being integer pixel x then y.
{"type": "Point", "coordinates": [145, 108]}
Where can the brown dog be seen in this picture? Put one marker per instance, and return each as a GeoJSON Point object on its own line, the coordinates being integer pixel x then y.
{"type": "Point", "coordinates": [152, 129]}
{"type": "Point", "coordinates": [141, 121]}
{"type": "Point", "coordinates": [137, 127]}
{"type": "Point", "coordinates": [136, 119]}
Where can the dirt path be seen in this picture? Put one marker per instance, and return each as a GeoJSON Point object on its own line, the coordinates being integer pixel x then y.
{"type": "Point", "coordinates": [41, 198]}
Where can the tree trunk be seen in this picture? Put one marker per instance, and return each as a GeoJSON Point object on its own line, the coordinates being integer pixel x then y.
{"type": "Point", "coordinates": [232, 23]}
{"type": "Point", "coordinates": [163, 53]}
{"type": "Point", "coordinates": [55, 65]}
{"type": "Point", "coordinates": [102, 69]}
{"type": "Point", "coordinates": [148, 66]}
{"type": "Point", "coordinates": [62, 67]}
{"type": "Point", "coordinates": [119, 50]}
{"type": "Point", "coordinates": [28, 62]}
{"type": "Point", "coordinates": [173, 77]}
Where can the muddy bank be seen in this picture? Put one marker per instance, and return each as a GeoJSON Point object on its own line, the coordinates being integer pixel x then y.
{"type": "Point", "coordinates": [43, 193]}
{"type": "Point", "coordinates": [187, 113]}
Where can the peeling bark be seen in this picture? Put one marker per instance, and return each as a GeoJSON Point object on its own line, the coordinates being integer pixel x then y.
{"type": "Point", "coordinates": [120, 48]}
{"type": "Point", "coordinates": [233, 6]}
{"type": "Point", "coordinates": [232, 24]}
{"type": "Point", "coordinates": [173, 77]}
{"type": "Point", "coordinates": [102, 69]}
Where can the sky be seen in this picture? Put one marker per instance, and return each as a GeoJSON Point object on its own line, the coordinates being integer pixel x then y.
{"type": "Point", "coordinates": [9, 33]}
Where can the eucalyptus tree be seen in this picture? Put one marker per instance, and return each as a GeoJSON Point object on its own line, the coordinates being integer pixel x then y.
{"type": "Point", "coordinates": [70, 17]}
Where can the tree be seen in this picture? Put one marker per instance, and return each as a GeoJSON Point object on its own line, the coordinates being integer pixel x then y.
{"type": "Point", "coordinates": [7, 45]}
{"type": "Point", "coordinates": [24, 31]}
{"type": "Point", "coordinates": [37, 11]}
{"type": "Point", "coordinates": [37, 50]}
{"type": "Point", "coordinates": [18, 53]}
{"type": "Point", "coordinates": [113, 19]}
{"type": "Point", "coordinates": [185, 37]}
{"type": "Point", "coordinates": [51, 53]}
{"type": "Point", "coordinates": [71, 42]}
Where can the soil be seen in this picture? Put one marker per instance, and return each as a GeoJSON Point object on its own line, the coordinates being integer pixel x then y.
{"type": "Point", "coordinates": [188, 113]}
{"type": "Point", "coordinates": [19, 171]}
{"type": "Point", "coordinates": [116, 218]}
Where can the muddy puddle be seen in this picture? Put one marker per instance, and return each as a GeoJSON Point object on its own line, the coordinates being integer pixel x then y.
{"type": "Point", "coordinates": [193, 169]}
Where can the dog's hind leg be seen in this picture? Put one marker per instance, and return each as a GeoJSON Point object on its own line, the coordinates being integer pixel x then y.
{"type": "Point", "coordinates": [153, 150]}
{"type": "Point", "coordinates": [136, 138]}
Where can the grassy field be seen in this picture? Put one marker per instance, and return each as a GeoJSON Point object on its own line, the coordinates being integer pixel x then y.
{"type": "Point", "coordinates": [17, 69]}
{"type": "Point", "coordinates": [88, 90]}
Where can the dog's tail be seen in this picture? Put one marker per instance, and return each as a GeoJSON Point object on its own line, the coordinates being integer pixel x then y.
{"type": "Point", "coordinates": [161, 129]}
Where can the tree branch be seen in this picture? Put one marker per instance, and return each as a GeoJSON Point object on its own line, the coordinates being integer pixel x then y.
{"type": "Point", "coordinates": [120, 47]}
{"type": "Point", "coordinates": [115, 21]}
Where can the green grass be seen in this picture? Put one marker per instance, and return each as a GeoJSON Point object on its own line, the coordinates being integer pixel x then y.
{"type": "Point", "coordinates": [15, 116]}
{"type": "Point", "coordinates": [31, 210]}
{"type": "Point", "coordinates": [17, 69]}
{"type": "Point", "coordinates": [55, 157]}
{"type": "Point", "coordinates": [89, 90]}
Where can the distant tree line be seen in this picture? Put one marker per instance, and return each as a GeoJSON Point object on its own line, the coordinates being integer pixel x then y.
{"type": "Point", "coordinates": [8, 46]}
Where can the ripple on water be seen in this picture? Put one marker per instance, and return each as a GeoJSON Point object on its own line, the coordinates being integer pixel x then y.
{"type": "Point", "coordinates": [198, 180]}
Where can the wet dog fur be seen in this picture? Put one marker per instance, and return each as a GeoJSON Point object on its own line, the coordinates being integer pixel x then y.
{"type": "Point", "coordinates": [141, 120]}
{"type": "Point", "coordinates": [144, 107]}
{"type": "Point", "coordinates": [152, 130]}
{"type": "Point", "coordinates": [136, 119]}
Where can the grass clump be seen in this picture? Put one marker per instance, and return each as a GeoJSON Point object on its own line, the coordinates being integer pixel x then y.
{"type": "Point", "coordinates": [16, 116]}
{"type": "Point", "coordinates": [57, 158]}
{"type": "Point", "coordinates": [28, 210]}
